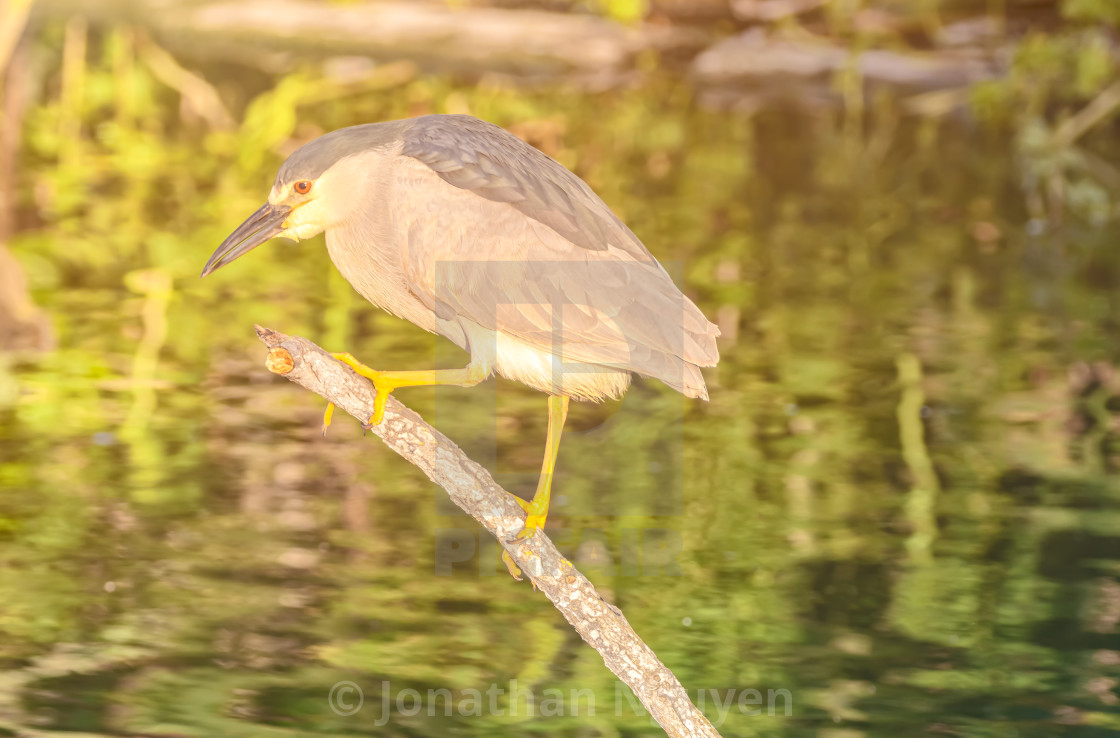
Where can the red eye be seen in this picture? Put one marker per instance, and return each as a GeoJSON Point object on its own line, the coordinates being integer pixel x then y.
{"type": "Point", "coordinates": [303, 187]}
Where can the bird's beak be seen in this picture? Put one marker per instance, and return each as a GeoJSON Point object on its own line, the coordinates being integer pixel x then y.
{"type": "Point", "coordinates": [258, 228]}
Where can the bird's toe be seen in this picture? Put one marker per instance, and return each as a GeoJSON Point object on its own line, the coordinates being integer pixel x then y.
{"type": "Point", "coordinates": [514, 569]}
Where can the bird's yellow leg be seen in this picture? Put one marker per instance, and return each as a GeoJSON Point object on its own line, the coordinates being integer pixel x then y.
{"type": "Point", "coordinates": [537, 509]}
{"type": "Point", "coordinates": [386, 382]}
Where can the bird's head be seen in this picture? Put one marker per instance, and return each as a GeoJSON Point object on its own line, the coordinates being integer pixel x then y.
{"type": "Point", "coordinates": [318, 187]}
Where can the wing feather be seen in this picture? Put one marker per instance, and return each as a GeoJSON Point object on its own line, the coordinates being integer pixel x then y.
{"type": "Point", "coordinates": [493, 163]}
{"type": "Point", "coordinates": [504, 236]}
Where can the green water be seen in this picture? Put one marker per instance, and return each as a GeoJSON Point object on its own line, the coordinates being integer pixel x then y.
{"type": "Point", "coordinates": [898, 515]}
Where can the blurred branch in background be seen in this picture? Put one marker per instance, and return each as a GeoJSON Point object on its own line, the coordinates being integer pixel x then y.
{"type": "Point", "coordinates": [473, 489]}
{"type": "Point", "coordinates": [13, 18]}
{"type": "Point", "coordinates": [199, 96]}
{"type": "Point", "coordinates": [921, 506]}
{"type": "Point", "coordinates": [156, 288]}
{"type": "Point", "coordinates": [464, 41]}
{"type": "Point", "coordinates": [22, 325]}
{"type": "Point", "coordinates": [13, 101]}
{"type": "Point", "coordinates": [1102, 106]}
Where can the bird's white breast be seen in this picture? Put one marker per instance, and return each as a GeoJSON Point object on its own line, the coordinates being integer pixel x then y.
{"type": "Point", "coordinates": [543, 370]}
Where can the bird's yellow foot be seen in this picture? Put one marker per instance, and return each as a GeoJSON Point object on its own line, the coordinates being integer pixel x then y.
{"type": "Point", "coordinates": [536, 514]}
{"type": "Point", "coordinates": [534, 521]}
{"type": "Point", "coordinates": [387, 381]}
{"type": "Point", "coordinates": [533, 564]}
{"type": "Point", "coordinates": [381, 383]}
{"type": "Point", "coordinates": [329, 413]}
{"type": "Point", "coordinates": [514, 569]}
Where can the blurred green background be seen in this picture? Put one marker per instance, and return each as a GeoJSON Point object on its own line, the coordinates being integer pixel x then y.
{"type": "Point", "coordinates": [902, 504]}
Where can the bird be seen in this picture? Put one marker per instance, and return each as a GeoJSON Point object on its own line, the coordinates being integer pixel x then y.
{"type": "Point", "coordinates": [460, 227]}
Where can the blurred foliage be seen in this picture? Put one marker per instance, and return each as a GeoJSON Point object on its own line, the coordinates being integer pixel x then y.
{"type": "Point", "coordinates": [1092, 11]}
{"type": "Point", "coordinates": [1058, 79]}
{"type": "Point", "coordinates": [900, 505]}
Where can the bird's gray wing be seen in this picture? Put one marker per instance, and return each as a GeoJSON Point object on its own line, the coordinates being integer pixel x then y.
{"type": "Point", "coordinates": [491, 162]}
{"type": "Point", "coordinates": [491, 262]}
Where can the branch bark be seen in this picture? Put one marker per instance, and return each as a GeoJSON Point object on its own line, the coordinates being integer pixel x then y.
{"type": "Point", "coordinates": [466, 42]}
{"type": "Point", "coordinates": [472, 488]}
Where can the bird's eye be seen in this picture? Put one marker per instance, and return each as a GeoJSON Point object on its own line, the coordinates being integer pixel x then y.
{"type": "Point", "coordinates": [303, 187]}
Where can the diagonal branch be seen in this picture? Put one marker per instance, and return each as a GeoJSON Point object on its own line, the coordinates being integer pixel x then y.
{"type": "Point", "coordinates": [473, 489]}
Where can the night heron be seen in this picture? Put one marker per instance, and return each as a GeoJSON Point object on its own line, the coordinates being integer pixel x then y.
{"type": "Point", "coordinates": [465, 230]}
